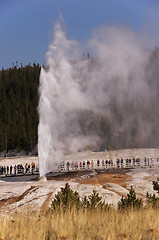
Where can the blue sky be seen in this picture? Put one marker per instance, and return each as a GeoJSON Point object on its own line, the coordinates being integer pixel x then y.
{"type": "Point", "coordinates": [26, 26]}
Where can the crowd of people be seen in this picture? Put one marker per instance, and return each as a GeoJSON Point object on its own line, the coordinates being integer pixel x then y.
{"type": "Point", "coordinates": [19, 169]}
{"type": "Point", "coordinates": [108, 163]}
{"type": "Point", "coordinates": [81, 165]}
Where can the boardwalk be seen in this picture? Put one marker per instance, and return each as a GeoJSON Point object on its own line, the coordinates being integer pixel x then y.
{"type": "Point", "coordinates": [92, 161]}
{"type": "Point", "coordinates": [103, 164]}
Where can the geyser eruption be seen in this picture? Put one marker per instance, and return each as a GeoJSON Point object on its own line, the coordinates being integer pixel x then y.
{"type": "Point", "coordinates": [96, 102]}
{"type": "Point", "coordinates": [61, 98]}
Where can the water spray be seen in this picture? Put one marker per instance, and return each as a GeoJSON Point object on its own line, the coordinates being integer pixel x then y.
{"type": "Point", "coordinates": [97, 101]}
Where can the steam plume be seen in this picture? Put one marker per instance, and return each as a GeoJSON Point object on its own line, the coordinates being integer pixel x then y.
{"type": "Point", "coordinates": [100, 102]}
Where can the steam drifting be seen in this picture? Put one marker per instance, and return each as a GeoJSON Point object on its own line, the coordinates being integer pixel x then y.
{"type": "Point", "coordinates": [97, 102]}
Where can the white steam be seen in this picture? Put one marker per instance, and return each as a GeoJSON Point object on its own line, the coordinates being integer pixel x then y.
{"type": "Point", "coordinates": [83, 100]}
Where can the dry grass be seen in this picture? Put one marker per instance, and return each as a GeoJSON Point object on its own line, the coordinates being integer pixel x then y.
{"type": "Point", "coordinates": [112, 225]}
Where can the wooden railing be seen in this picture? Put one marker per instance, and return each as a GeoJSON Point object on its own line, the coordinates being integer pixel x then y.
{"type": "Point", "coordinates": [98, 164]}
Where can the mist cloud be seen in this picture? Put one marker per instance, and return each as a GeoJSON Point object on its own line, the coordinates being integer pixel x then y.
{"type": "Point", "coordinates": [97, 102]}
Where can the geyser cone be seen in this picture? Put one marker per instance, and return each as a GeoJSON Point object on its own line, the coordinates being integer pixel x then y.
{"type": "Point", "coordinates": [43, 179]}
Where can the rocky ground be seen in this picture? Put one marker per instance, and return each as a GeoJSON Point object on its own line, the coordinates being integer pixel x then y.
{"type": "Point", "coordinates": [26, 192]}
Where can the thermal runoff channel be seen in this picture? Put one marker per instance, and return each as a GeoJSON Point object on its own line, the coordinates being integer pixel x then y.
{"type": "Point", "coordinates": [98, 100]}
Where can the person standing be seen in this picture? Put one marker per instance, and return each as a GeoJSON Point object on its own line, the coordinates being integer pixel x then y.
{"type": "Point", "coordinates": [11, 169]}
{"type": "Point", "coordinates": [7, 170]}
{"type": "Point", "coordinates": [15, 170]}
{"type": "Point", "coordinates": [4, 170]}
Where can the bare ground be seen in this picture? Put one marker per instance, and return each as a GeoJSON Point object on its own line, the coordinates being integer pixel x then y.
{"type": "Point", "coordinates": [111, 183]}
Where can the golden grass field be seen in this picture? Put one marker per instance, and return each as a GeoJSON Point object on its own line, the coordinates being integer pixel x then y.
{"type": "Point", "coordinates": [111, 225]}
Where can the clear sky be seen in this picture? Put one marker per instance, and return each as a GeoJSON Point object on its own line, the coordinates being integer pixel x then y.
{"type": "Point", "coordinates": [26, 26]}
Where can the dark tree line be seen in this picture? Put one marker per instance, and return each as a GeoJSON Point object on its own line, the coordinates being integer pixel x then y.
{"type": "Point", "coordinates": [18, 107]}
